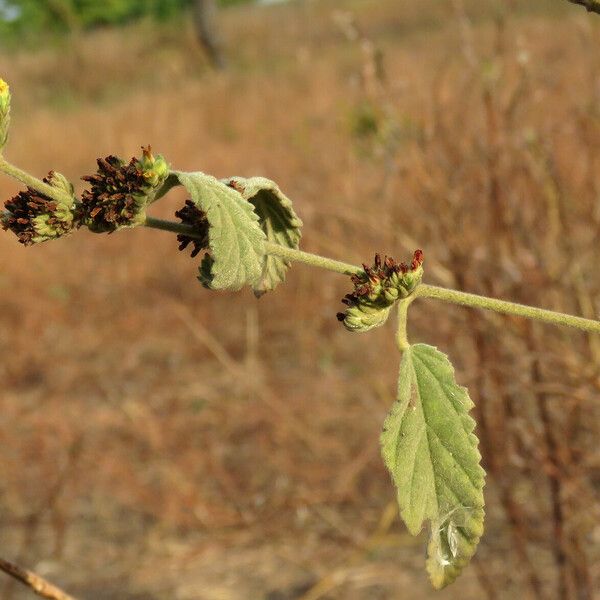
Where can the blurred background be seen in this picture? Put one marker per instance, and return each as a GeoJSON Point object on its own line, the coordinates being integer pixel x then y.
{"type": "Point", "coordinates": [162, 441]}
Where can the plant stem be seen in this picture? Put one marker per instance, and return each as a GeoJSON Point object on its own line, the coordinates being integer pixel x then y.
{"type": "Point", "coordinates": [312, 259]}
{"type": "Point", "coordinates": [423, 291]}
{"type": "Point", "coordinates": [163, 225]}
{"type": "Point", "coordinates": [402, 333]}
{"type": "Point", "coordinates": [275, 249]}
{"type": "Point", "coordinates": [34, 182]}
{"type": "Point", "coordinates": [507, 308]}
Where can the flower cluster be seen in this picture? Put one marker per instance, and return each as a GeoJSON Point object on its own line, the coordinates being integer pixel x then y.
{"type": "Point", "coordinates": [34, 217]}
{"type": "Point", "coordinates": [191, 215]}
{"type": "Point", "coordinates": [377, 288]}
{"type": "Point", "coordinates": [121, 191]}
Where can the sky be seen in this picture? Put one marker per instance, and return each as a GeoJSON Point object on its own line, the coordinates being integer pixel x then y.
{"type": "Point", "coordinates": [8, 11]}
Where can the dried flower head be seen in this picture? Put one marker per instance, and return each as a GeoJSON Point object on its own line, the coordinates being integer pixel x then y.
{"type": "Point", "coordinates": [36, 218]}
{"type": "Point", "coordinates": [191, 215]}
{"type": "Point", "coordinates": [377, 288]}
{"type": "Point", "coordinates": [120, 192]}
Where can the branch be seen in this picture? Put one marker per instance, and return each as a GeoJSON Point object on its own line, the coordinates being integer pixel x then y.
{"type": "Point", "coordinates": [589, 5]}
{"type": "Point", "coordinates": [34, 582]}
{"type": "Point", "coordinates": [422, 291]}
{"type": "Point", "coordinates": [275, 249]}
{"type": "Point", "coordinates": [508, 308]}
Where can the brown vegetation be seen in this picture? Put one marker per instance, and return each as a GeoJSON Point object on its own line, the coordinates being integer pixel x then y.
{"type": "Point", "coordinates": [159, 440]}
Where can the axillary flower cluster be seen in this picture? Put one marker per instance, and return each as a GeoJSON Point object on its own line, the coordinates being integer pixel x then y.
{"type": "Point", "coordinates": [34, 217]}
{"type": "Point", "coordinates": [120, 192]}
{"type": "Point", "coordinates": [377, 289]}
{"type": "Point", "coordinates": [48, 209]}
{"type": "Point", "coordinates": [117, 198]}
{"type": "Point", "coordinates": [192, 216]}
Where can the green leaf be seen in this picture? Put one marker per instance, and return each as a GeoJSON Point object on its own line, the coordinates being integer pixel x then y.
{"type": "Point", "coordinates": [277, 219]}
{"type": "Point", "coordinates": [236, 241]}
{"type": "Point", "coordinates": [429, 447]}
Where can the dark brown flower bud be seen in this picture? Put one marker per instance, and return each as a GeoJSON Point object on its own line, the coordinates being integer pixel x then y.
{"type": "Point", "coordinates": [191, 215]}
{"type": "Point", "coordinates": [120, 192]}
{"type": "Point", "coordinates": [36, 218]}
{"type": "Point", "coordinates": [116, 196]}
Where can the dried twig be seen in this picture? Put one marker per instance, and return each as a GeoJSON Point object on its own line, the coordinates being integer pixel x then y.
{"type": "Point", "coordinates": [590, 5]}
{"type": "Point", "coordinates": [36, 583]}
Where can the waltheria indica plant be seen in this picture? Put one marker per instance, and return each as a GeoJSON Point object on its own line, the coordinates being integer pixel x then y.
{"type": "Point", "coordinates": [250, 234]}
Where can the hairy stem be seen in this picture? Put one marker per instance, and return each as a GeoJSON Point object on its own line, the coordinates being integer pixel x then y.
{"type": "Point", "coordinates": [33, 182]}
{"type": "Point", "coordinates": [402, 332]}
{"type": "Point", "coordinates": [423, 291]}
{"type": "Point", "coordinates": [312, 259]}
{"type": "Point", "coordinates": [275, 249]}
{"type": "Point", "coordinates": [507, 308]}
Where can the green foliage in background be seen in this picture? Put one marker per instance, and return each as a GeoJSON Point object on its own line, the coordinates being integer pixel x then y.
{"type": "Point", "coordinates": [18, 17]}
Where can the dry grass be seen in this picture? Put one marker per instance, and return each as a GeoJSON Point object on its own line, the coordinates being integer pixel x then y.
{"type": "Point", "coordinates": [162, 441]}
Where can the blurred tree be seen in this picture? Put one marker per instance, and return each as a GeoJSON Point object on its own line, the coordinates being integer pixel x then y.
{"type": "Point", "coordinates": [64, 12]}
{"type": "Point", "coordinates": [590, 5]}
{"type": "Point", "coordinates": [205, 13]}
{"type": "Point", "coordinates": [32, 16]}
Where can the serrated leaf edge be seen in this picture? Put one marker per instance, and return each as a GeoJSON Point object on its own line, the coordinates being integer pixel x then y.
{"type": "Point", "coordinates": [468, 424]}
{"type": "Point", "coordinates": [251, 189]}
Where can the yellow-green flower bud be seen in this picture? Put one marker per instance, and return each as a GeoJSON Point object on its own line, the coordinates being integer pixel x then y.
{"type": "Point", "coordinates": [363, 317]}
{"type": "Point", "coordinates": [154, 170]}
{"type": "Point", "coordinates": [391, 294]}
{"type": "Point", "coordinates": [409, 281]}
{"type": "Point", "coordinates": [59, 181]}
{"type": "Point", "coordinates": [4, 112]}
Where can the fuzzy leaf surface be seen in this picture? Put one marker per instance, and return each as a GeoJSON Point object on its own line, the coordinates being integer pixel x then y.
{"type": "Point", "coordinates": [277, 219]}
{"type": "Point", "coordinates": [235, 238]}
{"type": "Point", "coordinates": [431, 451]}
